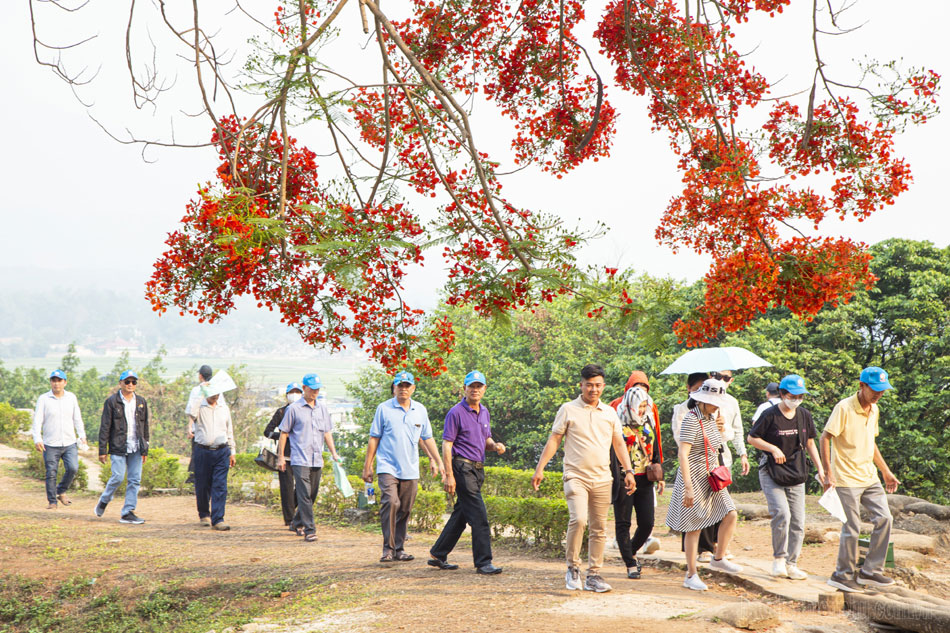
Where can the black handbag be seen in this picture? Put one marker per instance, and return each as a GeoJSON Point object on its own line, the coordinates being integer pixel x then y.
{"type": "Point", "coordinates": [266, 459]}
{"type": "Point", "coordinates": [787, 474]}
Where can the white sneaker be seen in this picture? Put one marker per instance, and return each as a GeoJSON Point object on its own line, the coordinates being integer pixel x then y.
{"type": "Point", "coordinates": [705, 557]}
{"type": "Point", "coordinates": [725, 565]}
{"type": "Point", "coordinates": [795, 573]}
{"type": "Point", "coordinates": [573, 578]}
{"type": "Point", "coordinates": [779, 570]}
{"type": "Point", "coordinates": [650, 546]}
{"type": "Point", "coordinates": [693, 582]}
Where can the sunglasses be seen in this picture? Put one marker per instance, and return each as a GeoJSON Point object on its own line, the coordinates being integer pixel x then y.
{"type": "Point", "coordinates": [131, 381]}
{"type": "Point", "coordinates": [723, 377]}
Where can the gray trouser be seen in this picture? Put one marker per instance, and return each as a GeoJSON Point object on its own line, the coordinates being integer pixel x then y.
{"type": "Point", "coordinates": [875, 502]}
{"type": "Point", "coordinates": [787, 507]}
{"type": "Point", "coordinates": [306, 486]}
{"type": "Point", "coordinates": [396, 497]}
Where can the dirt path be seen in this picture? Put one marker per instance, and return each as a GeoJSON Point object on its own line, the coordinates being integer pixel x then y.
{"type": "Point", "coordinates": [337, 584]}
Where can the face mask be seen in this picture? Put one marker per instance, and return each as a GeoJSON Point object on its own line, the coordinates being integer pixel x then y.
{"type": "Point", "coordinates": [293, 397]}
{"type": "Point", "coordinates": [791, 404]}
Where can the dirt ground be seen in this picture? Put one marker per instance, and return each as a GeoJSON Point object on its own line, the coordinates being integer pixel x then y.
{"type": "Point", "coordinates": [338, 584]}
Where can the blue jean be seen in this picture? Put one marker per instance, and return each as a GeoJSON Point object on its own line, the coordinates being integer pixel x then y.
{"type": "Point", "coordinates": [51, 456]}
{"type": "Point", "coordinates": [122, 465]}
{"type": "Point", "coordinates": [211, 481]}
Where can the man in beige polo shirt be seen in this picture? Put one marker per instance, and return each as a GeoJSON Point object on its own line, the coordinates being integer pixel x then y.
{"type": "Point", "coordinates": [588, 427]}
{"type": "Point", "coordinates": [849, 437]}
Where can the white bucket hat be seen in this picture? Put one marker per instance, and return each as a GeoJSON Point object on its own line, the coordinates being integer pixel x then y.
{"type": "Point", "coordinates": [712, 392]}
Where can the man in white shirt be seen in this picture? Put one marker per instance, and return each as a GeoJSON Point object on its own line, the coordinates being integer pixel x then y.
{"type": "Point", "coordinates": [57, 425]}
{"type": "Point", "coordinates": [772, 399]}
{"type": "Point", "coordinates": [123, 438]}
{"type": "Point", "coordinates": [214, 456]}
{"type": "Point", "coordinates": [195, 398]}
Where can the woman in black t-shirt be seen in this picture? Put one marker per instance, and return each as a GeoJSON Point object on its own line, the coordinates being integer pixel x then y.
{"type": "Point", "coordinates": [783, 433]}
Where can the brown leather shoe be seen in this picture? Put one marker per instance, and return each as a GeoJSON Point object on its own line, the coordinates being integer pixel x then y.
{"type": "Point", "coordinates": [221, 526]}
{"type": "Point", "coordinates": [51, 506]}
{"type": "Point", "coordinates": [63, 500]}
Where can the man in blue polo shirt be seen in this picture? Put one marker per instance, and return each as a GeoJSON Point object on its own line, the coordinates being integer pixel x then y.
{"type": "Point", "coordinates": [308, 427]}
{"type": "Point", "coordinates": [465, 438]}
{"type": "Point", "coordinates": [399, 426]}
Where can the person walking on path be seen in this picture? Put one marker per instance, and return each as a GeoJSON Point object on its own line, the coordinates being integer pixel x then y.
{"type": "Point", "coordinates": [784, 432]}
{"type": "Point", "coordinates": [849, 455]}
{"type": "Point", "coordinates": [57, 428]}
{"type": "Point", "coordinates": [733, 431]}
{"type": "Point", "coordinates": [641, 432]}
{"type": "Point", "coordinates": [123, 438]}
{"type": "Point", "coordinates": [214, 456]}
{"type": "Point", "coordinates": [465, 438]}
{"type": "Point", "coordinates": [772, 398]}
{"type": "Point", "coordinates": [400, 425]}
{"type": "Point", "coordinates": [694, 504]}
{"type": "Point", "coordinates": [588, 428]}
{"type": "Point", "coordinates": [195, 398]}
{"type": "Point", "coordinates": [288, 500]}
{"type": "Point", "coordinates": [306, 427]}
{"type": "Point", "coordinates": [693, 382]}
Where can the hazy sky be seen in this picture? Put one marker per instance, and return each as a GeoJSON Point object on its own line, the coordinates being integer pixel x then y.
{"type": "Point", "coordinates": [78, 204]}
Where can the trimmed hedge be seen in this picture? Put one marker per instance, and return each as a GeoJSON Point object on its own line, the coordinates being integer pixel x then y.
{"type": "Point", "coordinates": [160, 470]}
{"type": "Point", "coordinates": [501, 481]}
{"type": "Point", "coordinates": [543, 520]}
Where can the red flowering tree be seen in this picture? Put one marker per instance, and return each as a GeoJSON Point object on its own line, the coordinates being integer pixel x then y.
{"type": "Point", "coordinates": [324, 230]}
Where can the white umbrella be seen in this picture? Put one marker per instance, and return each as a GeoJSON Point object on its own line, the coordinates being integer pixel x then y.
{"type": "Point", "coordinates": [713, 359]}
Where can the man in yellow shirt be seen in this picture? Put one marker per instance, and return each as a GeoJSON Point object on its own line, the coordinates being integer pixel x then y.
{"type": "Point", "coordinates": [588, 428]}
{"type": "Point", "coordinates": [849, 437]}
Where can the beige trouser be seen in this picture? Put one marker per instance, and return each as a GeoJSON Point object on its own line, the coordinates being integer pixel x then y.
{"type": "Point", "coordinates": [587, 503]}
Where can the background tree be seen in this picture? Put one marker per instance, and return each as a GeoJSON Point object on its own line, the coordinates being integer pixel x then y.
{"type": "Point", "coordinates": [328, 246]}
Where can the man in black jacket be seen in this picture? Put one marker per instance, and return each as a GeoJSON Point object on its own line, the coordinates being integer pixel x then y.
{"type": "Point", "coordinates": [123, 436]}
{"type": "Point", "coordinates": [288, 499]}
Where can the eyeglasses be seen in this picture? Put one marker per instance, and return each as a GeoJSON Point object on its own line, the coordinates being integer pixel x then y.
{"type": "Point", "coordinates": [131, 381]}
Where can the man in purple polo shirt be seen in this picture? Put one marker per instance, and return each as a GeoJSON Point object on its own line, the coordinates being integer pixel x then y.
{"type": "Point", "coordinates": [465, 438]}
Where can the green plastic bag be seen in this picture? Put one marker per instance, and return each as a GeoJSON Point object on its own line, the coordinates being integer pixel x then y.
{"type": "Point", "coordinates": [339, 476]}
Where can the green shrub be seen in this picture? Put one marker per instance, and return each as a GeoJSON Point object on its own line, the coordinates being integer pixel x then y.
{"type": "Point", "coordinates": [501, 481]}
{"type": "Point", "coordinates": [160, 471]}
{"type": "Point", "coordinates": [36, 468]}
{"type": "Point", "coordinates": [244, 462]}
{"type": "Point", "coordinates": [12, 421]}
{"type": "Point", "coordinates": [428, 510]}
{"type": "Point", "coordinates": [544, 520]}
{"type": "Point", "coordinates": [254, 486]}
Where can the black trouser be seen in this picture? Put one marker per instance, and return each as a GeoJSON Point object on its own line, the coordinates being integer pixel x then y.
{"type": "Point", "coordinates": [624, 505]}
{"type": "Point", "coordinates": [469, 509]}
{"type": "Point", "coordinates": [307, 483]}
{"type": "Point", "coordinates": [288, 500]}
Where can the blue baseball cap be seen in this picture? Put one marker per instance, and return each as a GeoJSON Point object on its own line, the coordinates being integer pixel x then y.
{"type": "Point", "coordinates": [59, 373]}
{"type": "Point", "coordinates": [296, 385]}
{"type": "Point", "coordinates": [128, 373]}
{"type": "Point", "coordinates": [794, 384]}
{"type": "Point", "coordinates": [404, 376]}
{"type": "Point", "coordinates": [475, 376]}
{"type": "Point", "coordinates": [312, 381]}
{"type": "Point", "coordinates": [875, 378]}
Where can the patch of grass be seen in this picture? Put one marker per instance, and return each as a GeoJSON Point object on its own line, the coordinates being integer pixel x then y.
{"type": "Point", "coordinates": [23, 607]}
{"type": "Point", "coordinates": [75, 587]}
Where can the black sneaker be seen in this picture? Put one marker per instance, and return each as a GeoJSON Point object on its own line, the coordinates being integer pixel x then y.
{"type": "Point", "coordinates": [100, 509]}
{"type": "Point", "coordinates": [847, 585]}
{"type": "Point", "coordinates": [131, 518]}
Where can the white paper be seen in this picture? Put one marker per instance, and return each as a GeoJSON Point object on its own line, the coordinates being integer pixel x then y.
{"type": "Point", "coordinates": [830, 502]}
{"type": "Point", "coordinates": [220, 383]}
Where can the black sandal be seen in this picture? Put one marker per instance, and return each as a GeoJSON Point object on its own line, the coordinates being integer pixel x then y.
{"type": "Point", "coordinates": [634, 572]}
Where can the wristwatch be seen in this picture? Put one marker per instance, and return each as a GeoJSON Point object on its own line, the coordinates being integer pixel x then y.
{"type": "Point", "coordinates": [629, 471]}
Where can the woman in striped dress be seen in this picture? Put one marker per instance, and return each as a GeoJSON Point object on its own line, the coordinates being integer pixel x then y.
{"type": "Point", "coordinates": [694, 504]}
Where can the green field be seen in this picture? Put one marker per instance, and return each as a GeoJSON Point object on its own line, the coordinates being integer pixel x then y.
{"type": "Point", "coordinates": [264, 371]}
